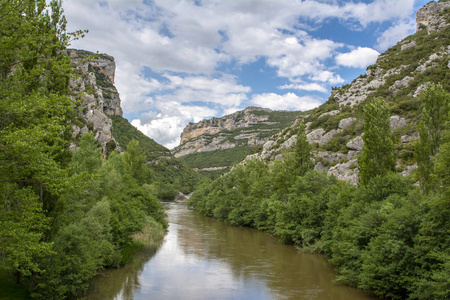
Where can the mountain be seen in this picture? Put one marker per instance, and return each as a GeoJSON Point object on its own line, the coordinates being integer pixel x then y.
{"type": "Point", "coordinates": [218, 143]}
{"type": "Point", "coordinates": [99, 111]}
{"type": "Point", "coordinates": [399, 76]}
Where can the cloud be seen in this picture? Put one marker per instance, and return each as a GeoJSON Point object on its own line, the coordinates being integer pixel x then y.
{"type": "Point", "coordinates": [166, 126]}
{"type": "Point", "coordinates": [358, 58]}
{"type": "Point", "coordinates": [193, 51]}
{"type": "Point", "coordinates": [289, 101]}
{"type": "Point", "coordinates": [378, 11]}
{"type": "Point", "coordinates": [311, 87]}
{"type": "Point", "coordinates": [395, 33]}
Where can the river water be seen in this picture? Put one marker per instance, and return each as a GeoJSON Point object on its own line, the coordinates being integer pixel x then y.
{"type": "Point", "coordinates": [201, 258]}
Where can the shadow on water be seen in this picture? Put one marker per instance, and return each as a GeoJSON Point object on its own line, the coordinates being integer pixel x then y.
{"type": "Point", "coordinates": [120, 283]}
{"type": "Point", "coordinates": [201, 258]}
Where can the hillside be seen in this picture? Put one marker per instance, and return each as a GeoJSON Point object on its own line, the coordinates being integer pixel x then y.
{"type": "Point", "coordinates": [99, 111]}
{"type": "Point", "coordinates": [174, 175]}
{"type": "Point", "coordinates": [399, 76]}
{"type": "Point", "coordinates": [216, 144]}
{"type": "Point", "coordinates": [385, 232]}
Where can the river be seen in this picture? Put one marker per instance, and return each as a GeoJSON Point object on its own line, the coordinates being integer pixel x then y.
{"type": "Point", "coordinates": [201, 258]}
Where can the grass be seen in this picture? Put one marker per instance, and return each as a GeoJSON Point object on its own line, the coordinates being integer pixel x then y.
{"type": "Point", "coordinates": [150, 237]}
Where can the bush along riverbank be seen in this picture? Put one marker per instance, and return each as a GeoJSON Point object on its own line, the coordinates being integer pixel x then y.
{"type": "Point", "coordinates": [388, 236]}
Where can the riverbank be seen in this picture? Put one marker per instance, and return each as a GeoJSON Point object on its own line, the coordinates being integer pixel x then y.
{"type": "Point", "coordinates": [202, 258]}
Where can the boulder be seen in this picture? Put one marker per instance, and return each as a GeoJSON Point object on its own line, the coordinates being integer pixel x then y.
{"type": "Point", "coordinates": [397, 122]}
{"type": "Point", "coordinates": [315, 135]}
{"type": "Point", "coordinates": [344, 123]}
{"type": "Point", "coordinates": [356, 144]}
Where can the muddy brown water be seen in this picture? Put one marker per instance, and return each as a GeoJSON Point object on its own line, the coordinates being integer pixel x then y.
{"type": "Point", "coordinates": [201, 258]}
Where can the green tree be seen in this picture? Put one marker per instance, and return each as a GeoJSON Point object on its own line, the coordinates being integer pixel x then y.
{"type": "Point", "coordinates": [434, 122]}
{"type": "Point", "coordinates": [34, 115]}
{"type": "Point", "coordinates": [88, 157]}
{"type": "Point", "coordinates": [378, 156]}
{"type": "Point", "coordinates": [134, 160]}
{"type": "Point", "coordinates": [302, 153]}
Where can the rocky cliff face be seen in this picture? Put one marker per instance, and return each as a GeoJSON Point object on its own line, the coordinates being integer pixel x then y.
{"type": "Point", "coordinates": [240, 119]}
{"type": "Point", "coordinates": [94, 91]}
{"type": "Point", "coordinates": [250, 127]}
{"type": "Point", "coordinates": [431, 17]}
{"type": "Point", "coordinates": [399, 76]}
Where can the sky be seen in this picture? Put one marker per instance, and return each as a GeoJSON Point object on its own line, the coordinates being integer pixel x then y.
{"type": "Point", "coordinates": [181, 61]}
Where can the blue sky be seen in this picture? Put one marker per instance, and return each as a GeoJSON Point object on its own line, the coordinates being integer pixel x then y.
{"type": "Point", "coordinates": [184, 61]}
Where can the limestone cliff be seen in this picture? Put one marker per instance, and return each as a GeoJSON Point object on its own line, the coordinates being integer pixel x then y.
{"type": "Point", "coordinates": [431, 17]}
{"type": "Point", "coordinates": [399, 76]}
{"type": "Point", "coordinates": [95, 94]}
{"type": "Point", "coordinates": [248, 128]}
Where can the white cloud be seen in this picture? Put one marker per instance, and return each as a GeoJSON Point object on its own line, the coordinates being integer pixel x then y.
{"type": "Point", "coordinates": [395, 33]}
{"type": "Point", "coordinates": [311, 87]}
{"type": "Point", "coordinates": [358, 58]}
{"type": "Point", "coordinates": [166, 126]}
{"type": "Point", "coordinates": [185, 45]}
{"type": "Point", "coordinates": [378, 11]}
{"type": "Point", "coordinates": [328, 77]}
{"type": "Point", "coordinates": [289, 101]}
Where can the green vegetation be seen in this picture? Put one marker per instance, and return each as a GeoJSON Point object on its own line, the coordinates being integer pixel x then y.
{"type": "Point", "coordinates": [217, 158]}
{"type": "Point", "coordinates": [124, 132]}
{"type": "Point", "coordinates": [278, 120]}
{"type": "Point", "coordinates": [386, 237]}
{"type": "Point", "coordinates": [171, 175]}
{"type": "Point", "coordinates": [63, 216]}
{"type": "Point", "coordinates": [378, 156]}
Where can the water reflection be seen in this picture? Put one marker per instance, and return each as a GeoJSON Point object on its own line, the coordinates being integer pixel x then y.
{"type": "Point", "coordinates": [204, 259]}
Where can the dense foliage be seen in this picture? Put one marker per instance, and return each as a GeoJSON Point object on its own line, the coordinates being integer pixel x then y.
{"type": "Point", "coordinates": [387, 236]}
{"type": "Point", "coordinates": [63, 217]}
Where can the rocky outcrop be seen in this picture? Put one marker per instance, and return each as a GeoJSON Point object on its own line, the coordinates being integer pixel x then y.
{"type": "Point", "coordinates": [93, 88]}
{"type": "Point", "coordinates": [240, 119]}
{"type": "Point", "coordinates": [250, 127]}
{"type": "Point", "coordinates": [338, 140]}
{"type": "Point", "coordinates": [430, 16]}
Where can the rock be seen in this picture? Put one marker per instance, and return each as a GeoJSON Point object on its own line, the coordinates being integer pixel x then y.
{"type": "Point", "coordinates": [347, 171]}
{"type": "Point", "coordinates": [408, 46]}
{"type": "Point", "coordinates": [420, 89]}
{"type": "Point", "coordinates": [268, 145]}
{"type": "Point", "coordinates": [75, 131]}
{"type": "Point", "coordinates": [407, 138]}
{"type": "Point", "coordinates": [344, 123]}
{"type": "Point", "coordinates": [429, 17]}
{"type": "Point", "coordinates": [319, 166]}
{"type": "Point", "coordinates": [402, 83]}
{"type": "Point", "coordinates": [397, 122]}
{"type": "Point", "coordinates": [315, 135]}
{"type": "Point", "coordinates": [356, 144]}
{"type": "Point", "coordinates": [290, 143]}
{"type": "Point", "coordinates": [180, 197]}
{"type": "Point", "coordinates": [100, 99]}
{"type": "Point", "coordinates": [330, 113]}
{"type": "Point", "coordinates": [240, 119]}
{"type": "Point", "coordinates": [73, 147]}
{"type": "Point", "coordinates": [409, 169]}
{"type": "Point", "coordinates": [328, 136]}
